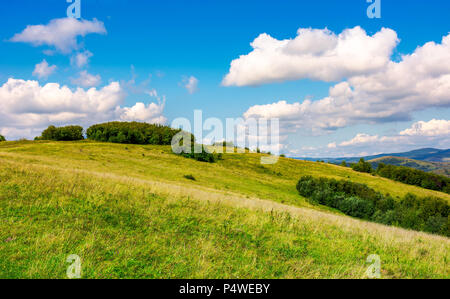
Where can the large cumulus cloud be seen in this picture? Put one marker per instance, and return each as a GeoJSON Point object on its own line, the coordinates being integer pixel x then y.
{"type": "Point", "coordinates": [26, 107]}
{"type": "Point", "coordinates": [314, 54]}
{"type": "Point", "coordinates": [418, 81]}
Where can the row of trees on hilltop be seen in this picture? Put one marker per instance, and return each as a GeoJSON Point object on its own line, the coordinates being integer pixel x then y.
{"type": "Point", "coordinates": [133, 133]}
{"type": "Point", "coordinates": [117, 132]}
{"type": "Point", "coordinates": [427, 214]}
{"type": "Point", "coordinates": [68, 133]}
{"type": "Point", "coordinates": [415, 177]}
{"type": "Point", "coordinates": [406, 175]}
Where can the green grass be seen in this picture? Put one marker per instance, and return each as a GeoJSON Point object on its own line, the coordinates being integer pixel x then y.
{"type": "Point", "coordinates": [129, 212]}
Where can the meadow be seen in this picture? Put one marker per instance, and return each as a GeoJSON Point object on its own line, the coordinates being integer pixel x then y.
{"type": "Point", "coordinates": [133, 211]}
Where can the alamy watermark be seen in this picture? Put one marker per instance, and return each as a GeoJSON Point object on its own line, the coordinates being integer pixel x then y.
{"type": "Point", "coordinates": [374, 270]}
{"type": "Point", "coordinates": [74, 269]}
{"type": "Point", "coordinates": [374, 9]}
{"type": "Point", "coordinates": [74, 9]}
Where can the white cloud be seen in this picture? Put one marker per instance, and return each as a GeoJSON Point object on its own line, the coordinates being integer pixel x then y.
{"type": "Point", "coordinates": [81, 59]}
{"type": "Point", "coordinates": [314, 54]}
{"type": "Point", "coordinates": [360, 139]}
{"type": "Point", "coordinates": [27, 107]}
{"type": "Point", "coordinates": [152, 113]}
{"type": "Point", "coordinates": [43, 70]}
{"type": "Point", "coordinates": [59, 33]}
{"type": "Point", "coordinates": [309, 117]}
{"type": "Point", "coordinates": [87, 80]}
{"type": "Point", "coordinates": [433, 133]}
{"type": "Point", "coordinates": [434, 127]}
{"type": "Point", "coordinates": [332, 145]}
{"type": "Point", "coordinates": [304, 148]}
{"type": "Point", "coordinates": [15, 134]}
{"type": "Point", "coordinates": [191, 84]}
{"type": "Point", "coordinates": [420, 80]}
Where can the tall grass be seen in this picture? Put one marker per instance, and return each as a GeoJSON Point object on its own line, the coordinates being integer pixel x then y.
{"type": "Point", "coordinates": [90, 199]}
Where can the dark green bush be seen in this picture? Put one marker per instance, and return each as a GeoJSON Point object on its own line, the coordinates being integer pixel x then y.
{"type": "Point", "coordinates": [436, 224]}
{"type": "Point", "coordinates": [362, 166]}
{"type": "Point", "coordinates": [415, 177]}
{"type": "Point", "coordinates": [190, 177]}
{"type": "Point", "coordinates": [356, 207]}
{"type": "Point", "coordinates": [358, 200]}
{"type": "Point", "coordinates": [387, 218]}
{"type": "Point", "coordinates": [68, 133]}
{"type": "Point", "coordinates": [132, 133]}
{"type": "Point", "coordinates": [198, 152]}
{"type": "Point", "coordinates": [224, 144]}
{"type": "Point", "coordinates": [307, 184]}
{"type": "Point", "coordinates": [385, 203]}
{"type": "Point", "coordinates": [2, 138]}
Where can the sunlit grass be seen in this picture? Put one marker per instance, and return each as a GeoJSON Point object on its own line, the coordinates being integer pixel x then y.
{"type": "Point", "coordinates": [128, 211]}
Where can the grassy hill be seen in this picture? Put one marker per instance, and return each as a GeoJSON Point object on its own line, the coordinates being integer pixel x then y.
{"type": "Point", "coordinates": [128, 211]}
{"type": "Point", "coordinates": [441, 168]}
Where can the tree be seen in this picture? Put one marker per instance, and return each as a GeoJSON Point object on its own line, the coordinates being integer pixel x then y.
{"type": "Point", "coordinates": [344, 164]}
{"type": "Point", "coordinates": [362, 166]}
{"type": "Point", "coordinates": [134, 133]}
{"type": "Point", "coordinates": [380, 167]}
{"type": "Point", "coordinates": [2, 138]}
{"type": "Point", "coordinates": [69, 133]}
{"type": "Point", "coordinates": [415, 177]}
{"type": "Point", "coordinates": [428, 214]}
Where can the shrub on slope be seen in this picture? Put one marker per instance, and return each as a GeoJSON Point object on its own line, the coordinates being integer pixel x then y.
{"type": "Point", "coordinates": [201, 155]}
{"type": "Point", "coordinates": [427, 214]}
{"type": "Point", "coordinates": [362, 166]}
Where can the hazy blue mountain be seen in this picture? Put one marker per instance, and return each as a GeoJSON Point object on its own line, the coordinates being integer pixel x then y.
{"type": "Point", "coordinates": [424, 154]}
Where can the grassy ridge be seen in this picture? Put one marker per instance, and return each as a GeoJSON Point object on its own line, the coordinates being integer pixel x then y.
{"type": "Point", "coordinates": [240, 173]}
{"type": "Point", "coordinates": [441, 168]}
{"type": "Point", "coordinates": [129, 212]}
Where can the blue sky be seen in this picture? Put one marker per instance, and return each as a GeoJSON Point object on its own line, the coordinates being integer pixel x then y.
{"type": "Point", "coordinates": [161, 44]}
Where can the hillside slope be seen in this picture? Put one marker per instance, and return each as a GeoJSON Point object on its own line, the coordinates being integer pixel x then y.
{"type": "Point", "coordinates": [128, 211]}
{"type": "Point", "coordinates": [441, 168]}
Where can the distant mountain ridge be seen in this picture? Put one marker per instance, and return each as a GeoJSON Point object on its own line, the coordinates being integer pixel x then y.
{"type": "Point", "coordinates": [426, 159]}
{"type": "Point", "coordinates": [424, 154]}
